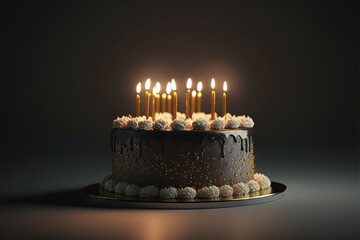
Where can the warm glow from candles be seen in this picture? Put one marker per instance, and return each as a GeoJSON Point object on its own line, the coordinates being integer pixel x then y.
{"type": "Point", "coordinates": [147, 98]}
{"type": "Point", "coordinates": [224, 99]}
{"type": "Point", "coordinates": [199, 86]}
{"type": "Point", "coordinates": [193, 100]}
{"type": "Point", "coordinates": [173, 85]}
{"type": "Point", "coordinates": [187, 98]}
{"type": "Point", "coordinates": [193, 93]}
{"type": "Point", "coordinates": [199, 95]}
{"type": "Point", "coordinates": [147, 84]}
{"type": "Point", "coordinates": [158, 87]}
{"type": "Point", "coordinates": [138, 89]}
{"type": "Point", "coordinates": [213, 99]}
{"type": "Point", "coordinates": [175, 103]}
{"type": "Point", "coordinates": [188, 83]}
{"type": "Point", "coordinates": [168, 88]}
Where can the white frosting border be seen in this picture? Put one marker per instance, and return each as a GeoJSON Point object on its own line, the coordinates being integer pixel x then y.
{"type": "Point", "coordinates": [258, 183]}
{"type": "Point", "coordinates": [202, 122]}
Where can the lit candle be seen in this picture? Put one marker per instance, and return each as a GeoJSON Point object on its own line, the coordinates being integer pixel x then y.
{"type": "Point", "coordinates": [168, 92]}
{"type": "Point", "coordinates": [187, 98]}
{"type": "Point", "coordinates": [199, 95]}
{"type": "Point", "coordinates": [138, 89]}
{"type": "Point", "coordinates": [213, 99]}
{"type": "Point", "coordinates": [193, 100]}
{"type": "Point", "coordinates": [163, 102]}
{"type": "Point", "coordinates": [224, 99]}
{"type": "Point", "coordinates": [175, 103]}
{"type": "Point", "coordinates": [157, 97]}
{"type": "Point", "coordinates": [147, 98]}
{"type": "Point", "coordinates": [153, 104]}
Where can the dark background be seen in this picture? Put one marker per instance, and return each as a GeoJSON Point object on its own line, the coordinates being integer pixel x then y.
{"type": "Point", "coordinates": [70, 67]}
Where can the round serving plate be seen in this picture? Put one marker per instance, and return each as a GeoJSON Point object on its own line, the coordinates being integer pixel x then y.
{"type": "Point", "coordinates": [99, 197]}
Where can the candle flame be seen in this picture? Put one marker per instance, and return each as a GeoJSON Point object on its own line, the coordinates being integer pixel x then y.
{"type": "Point", "coordinates": [225, 86]}
{"type": "Point", "coordinates": [173, 85]}
{"type": "Point", "coordinates": [168, 88]}
{"type": "Point", "coordinates": [212, 83]}
{"type": "Point", "coordinates": [147, 84]}
{"type": "Point", "coordinates": [199, 86]}
{"type": "Point", "coordinates": [189, 83]}
{"type": "Point", "coordinates": [193, 93]}
{"type": "Point", "coordinates": [154, 90]}
{"type": "Point", "coordinates": [158, 87]}
{"type": "Point", "coordinates": [138, 88]}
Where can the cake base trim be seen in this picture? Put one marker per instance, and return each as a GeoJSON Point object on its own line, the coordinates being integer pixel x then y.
{"type": "Point", "coordinates": [101, 198]}
{"type": "Point", "coordinates": [259, 182]}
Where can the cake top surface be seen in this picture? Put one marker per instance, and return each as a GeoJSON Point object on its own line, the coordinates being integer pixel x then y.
{"type": "Point", "coordinates": [198, 122]}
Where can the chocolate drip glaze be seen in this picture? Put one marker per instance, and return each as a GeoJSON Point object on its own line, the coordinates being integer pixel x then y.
{"type": "Point", "coordinates": [182, 158]}
{"type": "Point", "coordinates": [122, 138]}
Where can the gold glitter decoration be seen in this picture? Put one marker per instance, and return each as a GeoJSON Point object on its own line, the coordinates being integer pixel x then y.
{"type": "Point", "coordinates": [195, 163]}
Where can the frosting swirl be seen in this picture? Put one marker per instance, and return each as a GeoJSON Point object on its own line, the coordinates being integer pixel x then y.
{"type": "Point", "coordinates": [120, 122]}
{"type": "Point", "coordinates": [120, 188]}
{"type": "Point", "coordinates": [187, 193]}
{"type": "Point", "coordinates": [241, 188]}
{"type": "Point", "coordinates": [159, 124]}
{"type": "Point", "coordinates": [209, 192]}
{"type": "Point", "coordinates": [228, 116]}
{"type": "Point", "coordinates": [232, 124]}
{"type": "Point", "coordinates": [263, 181]}
{"type": "Point", "coordinates": [226, 191]}
{"type": "Point", "coordinates": [132, 190]}
{"type": "Point", "coordinates": [201, 115]}
{"type": "Point", "coordinates": [178, 125]}
{"type": "Point", "coordinates": [200, 124]}
{"type": "Point", "coordinates": [110, 185]}
{"type": "Point", "coordinates": [145, 125]}
{"type": "Point", "coordinates": [189, 122]}
{"type": "Point", "coordinates": [132, 123]}
{"type": "Point", "coordinates": [253, 186]}
{"type": "Point", "coordinates": [246, 122]}
{"type": "Point", "coordinates": [198, 121]}
{"type": "Point", "coordinates": [217, 123]}
{"type": "Point", "coordinates": [149, 191]}
{"type": "Point", "coordinates": [168, 193]}
{"type": "Point", "coordinates": [104, 180]}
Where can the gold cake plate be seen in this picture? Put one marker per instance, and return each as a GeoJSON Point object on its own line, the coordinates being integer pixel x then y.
{"type": "Point", "coordinates": [99, 197]}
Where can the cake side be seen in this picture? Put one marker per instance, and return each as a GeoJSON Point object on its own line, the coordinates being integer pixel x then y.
{"type": "Point", "coordinates": [187, 158]}
{"type": "Point", "coordinates": [182, 158]}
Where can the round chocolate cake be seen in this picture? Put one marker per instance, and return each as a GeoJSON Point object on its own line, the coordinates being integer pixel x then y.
{"type": "Point", "coordinates": [182, 158]}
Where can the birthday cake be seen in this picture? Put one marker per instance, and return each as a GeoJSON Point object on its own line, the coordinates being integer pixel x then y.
{"type": "Point", "coordinates": [184, 158]}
